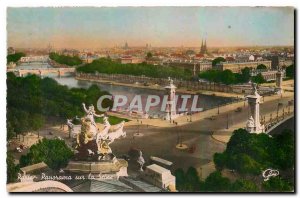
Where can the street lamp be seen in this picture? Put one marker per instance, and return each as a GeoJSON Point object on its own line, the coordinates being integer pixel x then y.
{"type": "Point", "coordinates": [227, 121]}
{"type": "Point", "coordinates": [138, 133]}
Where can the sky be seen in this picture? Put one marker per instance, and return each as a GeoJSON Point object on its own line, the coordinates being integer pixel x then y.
{"type": "Point", "coordinates": [91, 27]}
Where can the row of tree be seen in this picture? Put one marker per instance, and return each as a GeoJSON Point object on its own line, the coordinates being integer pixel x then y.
{"type": "Point", "coordinates": [228, 77]}
{"type": "Point", "coordinates": [107, 66]}
{"type": "Point", "coordinates": [31, 100]}
{"type": "Point", "coordinates": [215, 182]}
{"type": "Point", "coordinates": [67, 60]}
{"type": "Point", "coordinates": [14, 57]}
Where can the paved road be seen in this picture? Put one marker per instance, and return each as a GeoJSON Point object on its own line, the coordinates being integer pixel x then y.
{"type": "Point", "coordinates": [161, 142]}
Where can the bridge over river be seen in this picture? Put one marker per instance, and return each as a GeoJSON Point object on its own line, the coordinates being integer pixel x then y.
{"type": "Point", "coordinates": [43, 71]}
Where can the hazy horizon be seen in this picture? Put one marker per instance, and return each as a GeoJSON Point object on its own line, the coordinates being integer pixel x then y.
{"type": "Point", "coordinates": [104, 27]}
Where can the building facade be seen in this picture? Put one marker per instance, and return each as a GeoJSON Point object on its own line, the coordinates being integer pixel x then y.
{"type": "Point", "coordinates": [237, 66]}
{"type": "Point", "coordinates": [159, 176]}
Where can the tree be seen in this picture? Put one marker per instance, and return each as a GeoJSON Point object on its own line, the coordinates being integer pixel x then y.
{"type": "Point", "coordinates": [284, 154]}
{"type": "Point", "coordinates": [37, 122]}
{"type": "Point", "coordinates": [218, 60]}
{"type": "Point", "coordinates": [189, 181]}
{"type": "Point", "coordinates": [277, 184]}
{"type": "Point", "coordinates": [192, 180]}
{"type": "Point", "coordinates": [290, 71]}
{"type": "Point", "coordinates": [244, 164]}
{"type": "Point", "coordinates": [261, 66]}
{"type": "Point", "coordinates": [10, 131]}
{"type": "Point", "coordinates": [104, 65]}
{"type": "Point", "coordinates": [31, 100]}
{"type": "Point", "coordinates": [251, 153]}
{"type": "Point", "coordinates": [245, 75]}
{"type": "Point", "coordinates": [258, 79]}
{"type": "Point", "coordinates": [242, 185]}
{"type": "Point", "coordinates": [215, 182]}
{"type": "Point", "coordinates": [227, 77]}
{"type": "Point", "coordinates": [14, 57]}
{"type": "Point", "coordinates": [67, 60]}
{"type": "Point", "coordinates": [55, 153]}
{"type": "Point", "coordinates": [180, 179]}
{"type": "Point", "coordinates": [220, 160]}
{"type": "Point", "coordinates": [12, 169]}
{"type": "Point", "coordinates": [149, 55]}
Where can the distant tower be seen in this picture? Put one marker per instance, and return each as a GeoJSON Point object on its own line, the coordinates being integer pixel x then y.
{"type": "Point", "coordinates": [203, 49]}
{"type": "Point", "coordinates": [253, 123]}
{"type": "Point", "coordinates": [171, 103]}
{"type": "Point", "coordinates": [126, 45]}
{"type": "Point", "coordinates": [49, 48]}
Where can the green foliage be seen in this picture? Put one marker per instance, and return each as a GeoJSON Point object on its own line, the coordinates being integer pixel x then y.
{"type": "Point", "coordinates": [242, 185]}
{"type": "Point", "coordinates": [107, 66]}
{"type": "Point", "coordinates": [284, 154]}
{"type": "Point", "coordinates": [225, 77]}
{"type": "Point", "coordinates": [245, 164]}
{"type": "Point", "coordinates": [30, 100]}
{"type": "Point", "coordinates": [37, 121]}
{"type": "Point", "coordinates": [258, 79]}
{"type": "Point", "coordinates": [228, 77]}
{"type": "Point", "coordinates": [251, 153]}
{"type": "Point", "coordinates": [112, 120]}
{"type": "Point", "coordinates": [10, 131]}
{"type": "Point", "coordinates": [192, 180]}
{"type": "Point", "coordinates": [245, 75]}
{"type": "Point", "coordinates": [189, 181]}
{"type": "Point", "coordinates": [55, 153]}
{"type": "Point", "coordinates": [180, 179]}
{"type": "Point", "coordinates": [277, 184]}
{"type": "Point", "coordinates": [14, 57]}
{"type": "Point", "coordinates": [290, 71]}
{"type": "Point", "coordinates": [149, 55]}
{"type": "Point", "coordinates": [12, 169]}
{"type": "Point", "coordinates": [215, 182]}
{"type": "Point", "coordinates": [220, 160]}
{"type": "Point", "coordinates": [217, 60]}
{"type": "Point", "coordinates": [67, 60]}
{"type": "Point", "coordinates": [261, 66]}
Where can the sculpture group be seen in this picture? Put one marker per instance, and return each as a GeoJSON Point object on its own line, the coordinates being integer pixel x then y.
{"type": "Point", "coordinates": [93, 140]}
